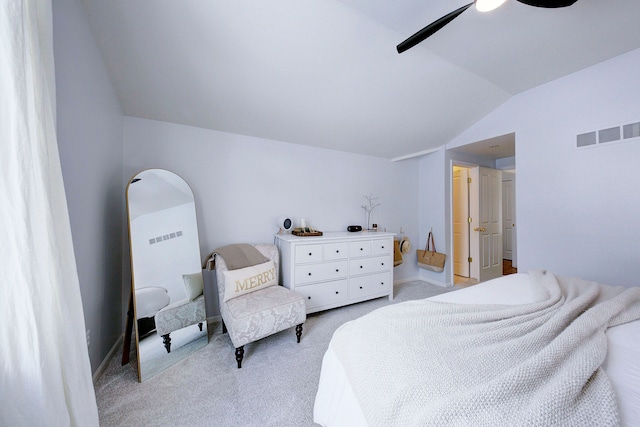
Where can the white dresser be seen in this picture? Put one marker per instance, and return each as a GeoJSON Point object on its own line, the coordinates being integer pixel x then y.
{"type": "Point", "coordinates": [338, 268]}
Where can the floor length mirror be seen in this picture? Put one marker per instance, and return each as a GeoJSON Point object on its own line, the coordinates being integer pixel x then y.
{"type": "Point", "coordinates": [167, 286]}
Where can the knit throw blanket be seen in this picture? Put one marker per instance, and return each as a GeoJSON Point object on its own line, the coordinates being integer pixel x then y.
{"type": "Point", "coordinates": [433, 363]}
{"type": "Point", "coordinates": [236, 256]}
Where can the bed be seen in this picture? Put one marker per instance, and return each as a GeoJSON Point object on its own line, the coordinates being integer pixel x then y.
{"type": "Point", "coordinates": [369, 377]}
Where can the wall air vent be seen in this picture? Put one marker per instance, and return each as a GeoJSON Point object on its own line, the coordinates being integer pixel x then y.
{"type": "Point", "coordinates": [631, 131]}
{"type": "Point", "coordinates": [586, 139]}
{"type": "Point", "coordinates": [165, 237]}
{"type": "Point", "coordinates": [608, 135]}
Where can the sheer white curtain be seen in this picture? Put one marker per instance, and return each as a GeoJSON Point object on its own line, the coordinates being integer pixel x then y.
{"type": "Point", "coordinates": [45, 375]}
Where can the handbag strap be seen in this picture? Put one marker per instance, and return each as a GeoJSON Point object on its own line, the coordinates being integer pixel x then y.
{"type": "Point", "coordinates": [433, 243]}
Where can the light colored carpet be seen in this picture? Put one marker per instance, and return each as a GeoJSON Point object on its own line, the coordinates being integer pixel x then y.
{"type": "Point", "coordinates": [275, 387]}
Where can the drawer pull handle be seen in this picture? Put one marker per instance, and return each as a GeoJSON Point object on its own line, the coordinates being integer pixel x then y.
{"type": "Point", "coordinates": [310, 254]}
{"type": "Point", "coordinates": [337, 251]}
{"type": "Point", "coordinates": [383, 247]}
{"type": "Point", "coordinates": [309, 274]}
{"type": "Point", "coordinates": [337, 292]}
{"type": "Point", "coordinates": [382, 263]}
{"type": "Point", "coordinates": [362, 249]}
{"type": "Point", "coordinates": [360, 287]}
{"type": "Point", "coordinates": [360, 266]}
{"type": "Point", "coordinates": [309, 297]}
{"type": "Point", "coordinates": [337, 270]}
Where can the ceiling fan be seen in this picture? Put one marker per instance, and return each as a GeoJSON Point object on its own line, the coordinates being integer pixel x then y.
{"type": "Point", "coordinates": [482, 6]}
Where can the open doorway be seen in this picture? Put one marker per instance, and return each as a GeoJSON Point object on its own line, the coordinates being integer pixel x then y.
{"type": "Point", "coordinates": [477, 225]}
{"type": "Point", "coordinates": [483, 222]}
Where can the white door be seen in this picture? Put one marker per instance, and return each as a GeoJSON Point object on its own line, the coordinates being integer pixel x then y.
{"type": "Point", "coordinates": [486, 223]}
{"type": "Point", "coordinates": [509, 216]}
{"type": "Point", "coordinates": [460, 221]}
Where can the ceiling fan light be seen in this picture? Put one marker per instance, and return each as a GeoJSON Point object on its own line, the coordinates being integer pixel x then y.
{"type": "Point", "coordinates": [488, 5]}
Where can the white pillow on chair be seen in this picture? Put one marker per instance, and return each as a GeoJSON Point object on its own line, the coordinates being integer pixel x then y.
{"type": "Point", "coordinates": [193, 285]}
{"type": "Point", "coordinates": [249, 279]}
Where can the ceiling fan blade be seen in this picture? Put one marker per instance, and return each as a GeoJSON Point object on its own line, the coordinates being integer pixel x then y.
{"type": "Point", "coordinates": [432, 28]}
{"type": "Point", "coordinates": [548, 3]}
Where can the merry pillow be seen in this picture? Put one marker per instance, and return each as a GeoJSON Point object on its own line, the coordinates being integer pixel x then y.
{"type": "Point", "coordinates": [244, 280]}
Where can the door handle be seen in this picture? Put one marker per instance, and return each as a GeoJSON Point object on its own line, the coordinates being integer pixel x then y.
{"type": "Point", "coordinates": [480, 229]}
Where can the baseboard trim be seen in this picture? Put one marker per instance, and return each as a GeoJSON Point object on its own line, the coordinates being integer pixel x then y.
{"type": "Point", "coordinates": [407, 280]}
{"type": "Point", "coordinates": [413, 279]}
{"type": "Point", "coordinates": [107, 359]}
{"type": "Point", "coordinates": [437, 283]}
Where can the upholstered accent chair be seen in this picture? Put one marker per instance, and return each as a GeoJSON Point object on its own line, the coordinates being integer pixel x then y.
{"type": "Point", "coordinates": [179, 315]}
{"type": "Point", "coordinates": [260, 313]}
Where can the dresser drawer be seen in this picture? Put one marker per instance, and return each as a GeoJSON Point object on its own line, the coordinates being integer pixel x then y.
{"type": "Point", "coordinates": [309, 273]}
{"type": "Point", "coordinates": [334, 251]}
{"type": "Point", "coordinates": [364, 286]}
{"type": "Point", "coordinates": [381, 246]}
{"type": "Point", "coordinates": [308, 253]}
{"type": "Point", "coordinates": [324, 294]}
{"type": "Point", "coordinates": [369, 265]}
{"type": "Point", "coordinates": [360, 248]}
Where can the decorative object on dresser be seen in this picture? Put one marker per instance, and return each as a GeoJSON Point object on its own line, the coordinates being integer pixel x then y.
{"type": "Point", "coordinates": [306, 231]}
{"type": "Point", "coordinates": [260, 307]}
{"type": "Point", "coordinates": [284, 225]}
{"type": "Point", "coordinates": [338, 268]}
{"type": "Point", "coordinates": [369, 207]}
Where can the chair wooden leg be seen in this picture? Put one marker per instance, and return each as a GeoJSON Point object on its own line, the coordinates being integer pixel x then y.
{"type": "Point", "coordinates": [166, 339]}
{"type": "Point", "coordinates": [239, 356]}
{"type": "Point", "coordinates": [299, 331]}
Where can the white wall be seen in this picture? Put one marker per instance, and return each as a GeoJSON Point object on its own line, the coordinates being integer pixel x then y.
{"type": "Point", "coordinates": [432, 214]}
{"type": "Point", "coordinates": [89, 128]}
{"type": "Point", "coordinates": [242, 185]}
{"type": "Point", "coordinates": [577, 209]}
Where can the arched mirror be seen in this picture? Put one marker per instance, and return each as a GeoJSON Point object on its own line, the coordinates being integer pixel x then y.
{"type": "Point", "coordinates": [167, 285]}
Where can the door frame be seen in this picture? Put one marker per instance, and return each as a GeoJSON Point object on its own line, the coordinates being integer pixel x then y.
{"type": "Point", "coordinates": [473, 274]}
{"type": "Point", "coordinates": [461, 205]}
{"type": "Point", "coordinates": [510, 175]}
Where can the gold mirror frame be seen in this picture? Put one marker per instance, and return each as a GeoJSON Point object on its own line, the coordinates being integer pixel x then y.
{"type": "Point", "coordinates": [166, 272]}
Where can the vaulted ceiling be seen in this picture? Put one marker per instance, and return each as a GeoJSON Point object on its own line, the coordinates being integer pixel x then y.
{"type": "Point", "coordinates": [326, 73]}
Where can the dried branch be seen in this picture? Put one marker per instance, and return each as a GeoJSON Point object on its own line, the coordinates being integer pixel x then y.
{"type": "Point", "coordinates": [372, 204]}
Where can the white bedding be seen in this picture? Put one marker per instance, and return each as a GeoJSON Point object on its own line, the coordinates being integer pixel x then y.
{"type": "Point", "coordinates": [150, 300]}
{"type": "Point", "coordinates": [336, 404]}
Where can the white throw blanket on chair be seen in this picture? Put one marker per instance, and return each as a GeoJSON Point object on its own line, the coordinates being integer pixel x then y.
{"type": "Point", "coordinates": [433, 363]}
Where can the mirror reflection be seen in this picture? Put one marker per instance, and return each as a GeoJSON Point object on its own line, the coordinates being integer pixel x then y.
{"type": "Point", "coordinates": [166, 270]}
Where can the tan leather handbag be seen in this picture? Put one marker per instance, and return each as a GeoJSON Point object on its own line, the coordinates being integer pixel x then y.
{"type": "Point", "coordinates": [428, 258]}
